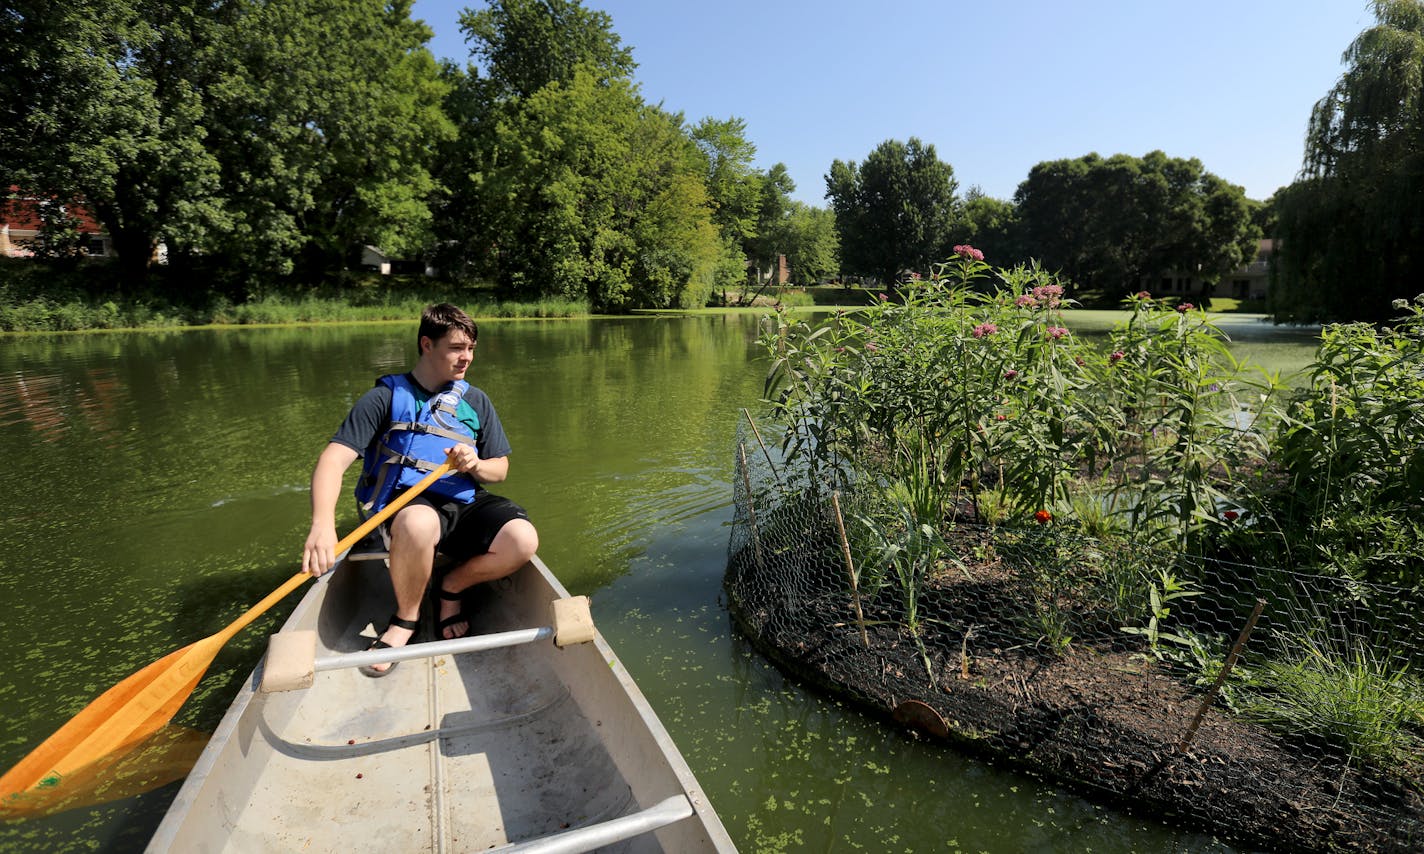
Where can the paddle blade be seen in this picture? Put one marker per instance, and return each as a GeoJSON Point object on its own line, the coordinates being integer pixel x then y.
{"type": "Point", "coordinates": [158, 760]}
{"type": "Point", "coordinates": [120, 717]}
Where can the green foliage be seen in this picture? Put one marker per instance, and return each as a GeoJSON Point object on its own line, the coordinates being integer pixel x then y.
{"type": "Point", "coordinates": [1109, 223]}
{"type": "Point", "coordinates": [525, 45]}
{"type": "Point", "coordinates": [1184, 424]}
{"type": "Point", "coordinates": [1160, 595]}
{"type": "Point", "coordinates": [734, 187]}
{"type": "Point", "coordinates": [1351, 226]}
{"type": "Point", "coordinates": [1366, 706]}
{"type": "Point", "coordinates": [894, 211]}
{"type": "Point", "coordinates": [564, 183]}
{"type": "Point", "coordinates": [109, 108]}
{"type": "Point", "coordinates": [810, 243]}
{"type": "Point", "coordinates": [990, 225]}
{"type": "Point", "coordinates": [228, 131]}
{"type": "Point", "coordinates": [1351, 450]}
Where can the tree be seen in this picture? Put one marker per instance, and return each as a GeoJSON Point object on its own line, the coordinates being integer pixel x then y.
{"type": "Point", "coordinates": [989, 225]}
{"type": "Point", "coordinates": [105, 100]}
{"type": "Point", "coordinates": [894, 211]}
{"type": "Point", "coordinates": [571, 184]}
{"type": "Point", "coordinates": [324, 156]}
{"type": "Point", "coordinates": [227, 131]}
{"type": "Point", "coordinates": [771, 235]}
{"type": "Point", "coordinates": [524, 45]}
{"type": "Point", "coordinates": [733, 184]}
{"type": "Point", "coordinates": [599, 197]}
{"type": "Point", "coordinates": [810, 243]}
{"type": "Point", "coordinates": [1352, 225]}
{"type": "Point", "coordinates": [1108, 223]}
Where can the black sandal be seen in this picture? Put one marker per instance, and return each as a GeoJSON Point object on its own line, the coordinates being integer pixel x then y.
{"type": "Point", "coordinates": [370, 669]}
{"type": "Point", "coordinates": [459, 617]}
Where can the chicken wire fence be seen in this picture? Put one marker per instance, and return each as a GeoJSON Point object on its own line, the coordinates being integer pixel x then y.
{"type": "Point", "coordinates": [1273, 706]}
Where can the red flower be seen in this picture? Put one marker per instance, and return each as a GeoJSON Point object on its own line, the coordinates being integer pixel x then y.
{"type": "Point", "coordinates": [999, 417]}
{"type": "Point", "coordinates": [1117, 356]}
{"type": "Point", "coordinates": [1230, 515]}
{"type": "Point", "coordinates": [1043, 517]}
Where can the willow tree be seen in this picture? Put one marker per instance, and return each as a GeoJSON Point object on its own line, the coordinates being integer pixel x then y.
{"type": "Point", "coordinates": [1352, 225]}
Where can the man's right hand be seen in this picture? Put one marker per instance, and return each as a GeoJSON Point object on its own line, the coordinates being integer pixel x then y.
{"type": "Point", "coordinates": [320, 552]}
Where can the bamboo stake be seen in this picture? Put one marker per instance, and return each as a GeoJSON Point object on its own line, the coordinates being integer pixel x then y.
{"type": "Point", "coordinates": [765, 452]}
{"type": "Point", "coordinates": [850, 569]}
{"type": "Point", "coordinates": [751, 505]}
{"type": "Point", "coordinates": [1210, 697]}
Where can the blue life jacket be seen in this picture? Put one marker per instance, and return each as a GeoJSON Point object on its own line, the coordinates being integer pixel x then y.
{"type": "Point", "coordinates": [414, 445]}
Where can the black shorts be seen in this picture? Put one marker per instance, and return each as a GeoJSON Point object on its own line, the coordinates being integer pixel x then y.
{"type": "Point", "coordinates": [467, 530]}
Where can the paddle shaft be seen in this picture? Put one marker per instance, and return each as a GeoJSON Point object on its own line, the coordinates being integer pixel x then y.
{"type": "Point", "coordinates": [142, 703]}
{"type": "Point", "coordinates": [346, 542]}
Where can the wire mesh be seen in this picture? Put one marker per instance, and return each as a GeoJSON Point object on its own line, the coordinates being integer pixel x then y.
{"type": "Point", "coordinates": [1101, 664]}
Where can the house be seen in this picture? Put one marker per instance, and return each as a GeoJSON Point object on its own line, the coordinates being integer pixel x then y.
{"type": "Point", "coordinates": [21, 222]}
{"type": "Point", "coordinates": [1250, 281]}
{"type": "Point", "coordinates": [776, 276]}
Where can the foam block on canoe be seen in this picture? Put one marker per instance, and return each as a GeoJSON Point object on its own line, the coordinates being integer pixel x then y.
{"type": "Point", "coordinates": [573, 623]}
{"type": "Point", "coordinates": [291, 662]}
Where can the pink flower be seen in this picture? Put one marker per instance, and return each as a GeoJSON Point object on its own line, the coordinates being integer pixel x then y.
{"type": "Point", "coordinates": [967, 251]}
{"type": "Point", "coordinates": [1000, 417]}
{"type": "Point", "coordinates": [1010, 374]}
{"type": "Point", "coordinates": [883, 297]}
{"type": "Point", "coordinates": [1026, 300]}
{"type": "Point", "coordinates": [985, 329]}
{"type": "Point", "coordinates": [872, 346]}
{"type": "Point", "coordinates": [1117, 356]}
{"type": "Point", "coordinates": [1142, 295]}
{"type": "Point", "coordinates": [1078, 360]}
{"type": "Point", "coordinates": [1185, 307]}
{"type": "Point", "coordinates": [1056, 332]}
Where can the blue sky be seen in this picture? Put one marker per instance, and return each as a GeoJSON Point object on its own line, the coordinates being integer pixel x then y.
{"type": "Point", "coordinates": [996, 87]}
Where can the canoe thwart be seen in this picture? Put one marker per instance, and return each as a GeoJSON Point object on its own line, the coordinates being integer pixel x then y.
{"type": "Point", "coordinates": [573, 623]}
{"type": "Point", "coordinates": [675, 808]}
{"type": "Point", "coordinates": [290, 664]}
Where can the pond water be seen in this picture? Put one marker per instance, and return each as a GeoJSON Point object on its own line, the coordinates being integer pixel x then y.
{"type": "Point", "coordinates": [159, 487]}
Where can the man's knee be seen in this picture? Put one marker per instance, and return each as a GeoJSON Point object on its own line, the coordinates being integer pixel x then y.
{"type": "Point", "coordinates": [416, 524]}
{"type": "Point", "coordinates": [518, 537]}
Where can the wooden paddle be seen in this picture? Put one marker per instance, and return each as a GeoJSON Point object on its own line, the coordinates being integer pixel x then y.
{"type": "Point", "coordinates": [138, 706]}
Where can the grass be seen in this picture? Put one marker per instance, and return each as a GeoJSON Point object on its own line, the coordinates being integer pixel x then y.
{"type": "Point", "coordinates": [1364, 706]}
{"type": "Point", "coordinates": [35, 299]}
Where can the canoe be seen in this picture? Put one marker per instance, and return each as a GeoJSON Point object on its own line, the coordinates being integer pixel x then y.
{"type": "Point", "coordinates": [521, 745]}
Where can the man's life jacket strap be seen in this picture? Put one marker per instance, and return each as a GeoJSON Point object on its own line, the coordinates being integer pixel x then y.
{"type": "Point", "coordinates": [431, 429]}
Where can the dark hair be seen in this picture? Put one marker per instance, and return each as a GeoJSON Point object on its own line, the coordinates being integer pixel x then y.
{"type": "Point", "coordinates": [437, 321]}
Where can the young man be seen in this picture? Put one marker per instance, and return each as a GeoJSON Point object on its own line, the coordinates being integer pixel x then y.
{"type": "Point", "coordinates": [403, 428]}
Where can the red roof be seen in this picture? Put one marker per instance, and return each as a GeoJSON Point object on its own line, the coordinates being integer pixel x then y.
{"type": "Point", "coordinates": [22, 212]}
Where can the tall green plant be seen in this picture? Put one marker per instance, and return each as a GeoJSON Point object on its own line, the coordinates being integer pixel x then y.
{"type": "Point", "coordinates": [1352, 451]}
{"type": "Point", "coordinates": [1182, 429]}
